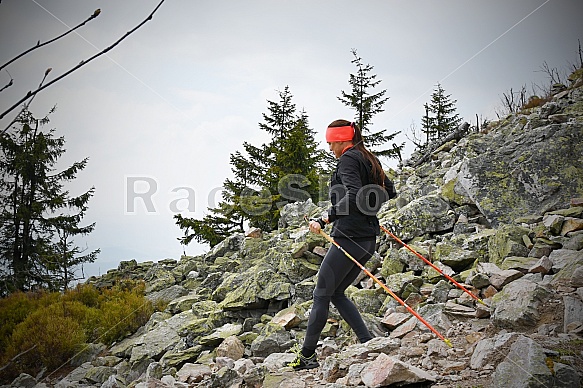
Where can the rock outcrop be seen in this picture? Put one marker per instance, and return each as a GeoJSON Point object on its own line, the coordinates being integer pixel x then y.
{"type": "Point", "coordinates": [500, 211]}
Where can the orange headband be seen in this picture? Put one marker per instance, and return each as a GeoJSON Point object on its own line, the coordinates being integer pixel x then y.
{"type": "Point", "coordinates": [334, 134]}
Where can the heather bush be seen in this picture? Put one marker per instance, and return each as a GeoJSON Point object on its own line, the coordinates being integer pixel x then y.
{"type": "Point", "coordinates": [16, 307]}
{"type": "Point", "coordinates": [535, 101]}
{"type": "Point", "coordinates": [123, 310]}
{"type": "Point", "coordinates": [53, 337]}
{"type": "Point", "coordinates": [84, 293]}
{"type": "Point", "coordinates": [44, 330]}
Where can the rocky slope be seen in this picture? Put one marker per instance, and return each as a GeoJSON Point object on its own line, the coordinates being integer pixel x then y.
{"type": "Point", "coordinates": [500, 211]}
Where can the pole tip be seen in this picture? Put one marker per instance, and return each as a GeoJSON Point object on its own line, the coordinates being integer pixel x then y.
{"type": "Point", "coordinates": [448, 342]}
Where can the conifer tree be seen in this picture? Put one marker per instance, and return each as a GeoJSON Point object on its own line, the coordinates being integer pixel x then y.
{"type": "Point", "coordinates": [38, 216]}
{"type": "Point", "coordinates": [292, 161]}
{"type": "Point", "coordinates": [440, 115]}
{"type": "Point", "coordinates": [366, 103]}
{"type": "Point", "coordinates": [297, 166]}
{"type": "Point", "coordinates": [281, 116]}
{"type": "Point", "coordinates": [231, 213]}
{"type": "Point", "coordinates": [264, 178]}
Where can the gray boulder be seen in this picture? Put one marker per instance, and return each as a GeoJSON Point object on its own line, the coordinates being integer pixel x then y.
{"type": "Point", "coordinates": [529, 174]}
{"type": "Point", "coordinates": [516, 306]}
{"type": "Point", "coordinates": [524, 367]}
{"type": "Point", "coordinates": [386, 371]}
{"type": "Point", "coordinates": [428, 214]}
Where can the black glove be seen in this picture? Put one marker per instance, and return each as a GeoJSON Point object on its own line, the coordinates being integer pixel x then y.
{"type": "Point", "coordinates": [319, 221]}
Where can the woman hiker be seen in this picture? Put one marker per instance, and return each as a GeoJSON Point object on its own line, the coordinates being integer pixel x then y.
{"type": "Point", "coordinates": [358, 188]}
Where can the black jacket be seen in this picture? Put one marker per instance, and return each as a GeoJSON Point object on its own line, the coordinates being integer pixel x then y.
{"type": "Point", "coordinates": [355, 198]}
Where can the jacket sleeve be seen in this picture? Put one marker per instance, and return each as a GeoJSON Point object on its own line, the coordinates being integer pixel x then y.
{"type": "Point", "coordinates": [349, 174]}
{"type": "Point", "coordinates": [390, 188]}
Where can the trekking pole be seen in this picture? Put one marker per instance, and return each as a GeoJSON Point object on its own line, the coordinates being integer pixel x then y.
{"type": "Point", "coordinates": [433, 266]}
{"type": "Point", "coordinates": [401, 302]}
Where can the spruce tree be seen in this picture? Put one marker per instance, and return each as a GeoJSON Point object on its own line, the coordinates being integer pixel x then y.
{"type": "Point", "coordinates": [281, 117]}
{"type": "Point", "coordinates": [265, 178]}
{"type": "Point", "coordinates": [38, 216]}
{"type": "Point", "coordinates": [366, 103]}
{"type": "Point", "coordinates": [231, 213]}
{"type": "Point", "coordinates": [298, 164]}
{"type": "Point", "coordinates": [440, 118]}
{"type": "Point", "coordinates": [292, 161]}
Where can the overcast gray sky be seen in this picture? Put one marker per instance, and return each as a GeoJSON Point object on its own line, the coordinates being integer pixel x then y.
{"type": "Point", "coordinates": [174, 100]}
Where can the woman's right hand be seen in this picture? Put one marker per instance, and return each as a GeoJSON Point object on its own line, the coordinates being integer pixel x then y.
{"type": "Point", "coordinates": [315, 227]}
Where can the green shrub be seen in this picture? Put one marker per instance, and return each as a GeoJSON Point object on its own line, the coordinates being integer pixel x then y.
{"type": "Point", "coordinates": [123, 311]}
{"type": "Point", "coordinates": [55, 326]}
{"type": "Point", "coordinates": [53, 337]}
{"type": "Point", "coordinates": [84, 293]}
{"type": "Point", "coordinates": [89, 318]}
{"type": "Point", "coordinates": [16, 307]}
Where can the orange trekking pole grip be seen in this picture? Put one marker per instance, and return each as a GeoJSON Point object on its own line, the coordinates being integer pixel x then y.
{"type": "Point", "coordinates": [432, 265]}
{"type": "Point", "coordinates": [401, 302]}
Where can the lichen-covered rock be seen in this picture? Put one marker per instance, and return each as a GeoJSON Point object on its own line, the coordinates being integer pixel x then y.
{"type": "Point", "coordinates": [291, 215]}
{"type": "Point", "coordinates": [532, 173]}
{"type": "Point", "coordinates": [524, 367]}
{"type": "Point", "coordinates": [399, 281]}
{"type": "Point", "coordinates": [230, 244]}
{"type": "Point", "coordinates": [158, 278]}
{"type": "Point", "coordinates": [368, 301]}
{"type": "Point", "coordinates": [507, 242]}
{"type": "Point", "coordinates": [516, 306]}
{"type": "Point", "coordinates": [217, 336]}
{"type": "Point", "coordinates": [432, 275]}
{"type": "Point", "coordinates": [412, 262]}
{"type": "Point", "coordinates": [454, 256]}
{"type": "Point", "coordinates": [272, 339]}
{"type": "Point", "coordinates": [99, 374]}
{"type": "Point", "coordinates": [392, 263]}
{"type": "Point", "coordinates": [167, 294]}
{"type": "Point", "coordinates": [427, 214]}
{"type": "Point", "coordinates": [178, 358]}
{"type": "Point", "coordinates": [253, 288]}
{"type": "Point", "coordinates": [182, 303]}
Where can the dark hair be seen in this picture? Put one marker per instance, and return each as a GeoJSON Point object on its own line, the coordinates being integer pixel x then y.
{"type": "Point", "coordinates": [377, 173]}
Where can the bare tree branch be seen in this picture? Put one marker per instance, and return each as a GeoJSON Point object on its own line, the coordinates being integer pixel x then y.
{"type": "Point", "coordinates": [25, 107]}
{"type": "Point", "coordinates": [15, 357]}
{"type": "Point", "coordinates": [39, 44]}
{"type": "Point", "coordinates": [9, 84]}
{"type": "Point", "coordinates": [580, 55]}
{"type": "Point", "coordinates": [81, 64]}
{"type": "Point", "coordinates": [552, 73]}
{"type": "Point", "coordinates": [416, 136]}
{"type": "Point", "coordinates": [457, 134]}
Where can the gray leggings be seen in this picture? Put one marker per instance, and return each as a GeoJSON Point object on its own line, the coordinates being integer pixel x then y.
{"type": "Point", "coordinates": [337, 272]}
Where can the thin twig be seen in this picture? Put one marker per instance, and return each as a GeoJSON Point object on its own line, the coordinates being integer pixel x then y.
{"type": "Point", "coordinates": [9, 84]}
{"type": "Point", "coordinates": [15, 357]}
{"type": "Point", "coordinates": [39, 44]}
{"type": "Point", "coordinates": [81, 64]}
{"type": "Point", "coordinates": [580, 55]}
{"type": "Point", "coordinates": [25, 107]}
